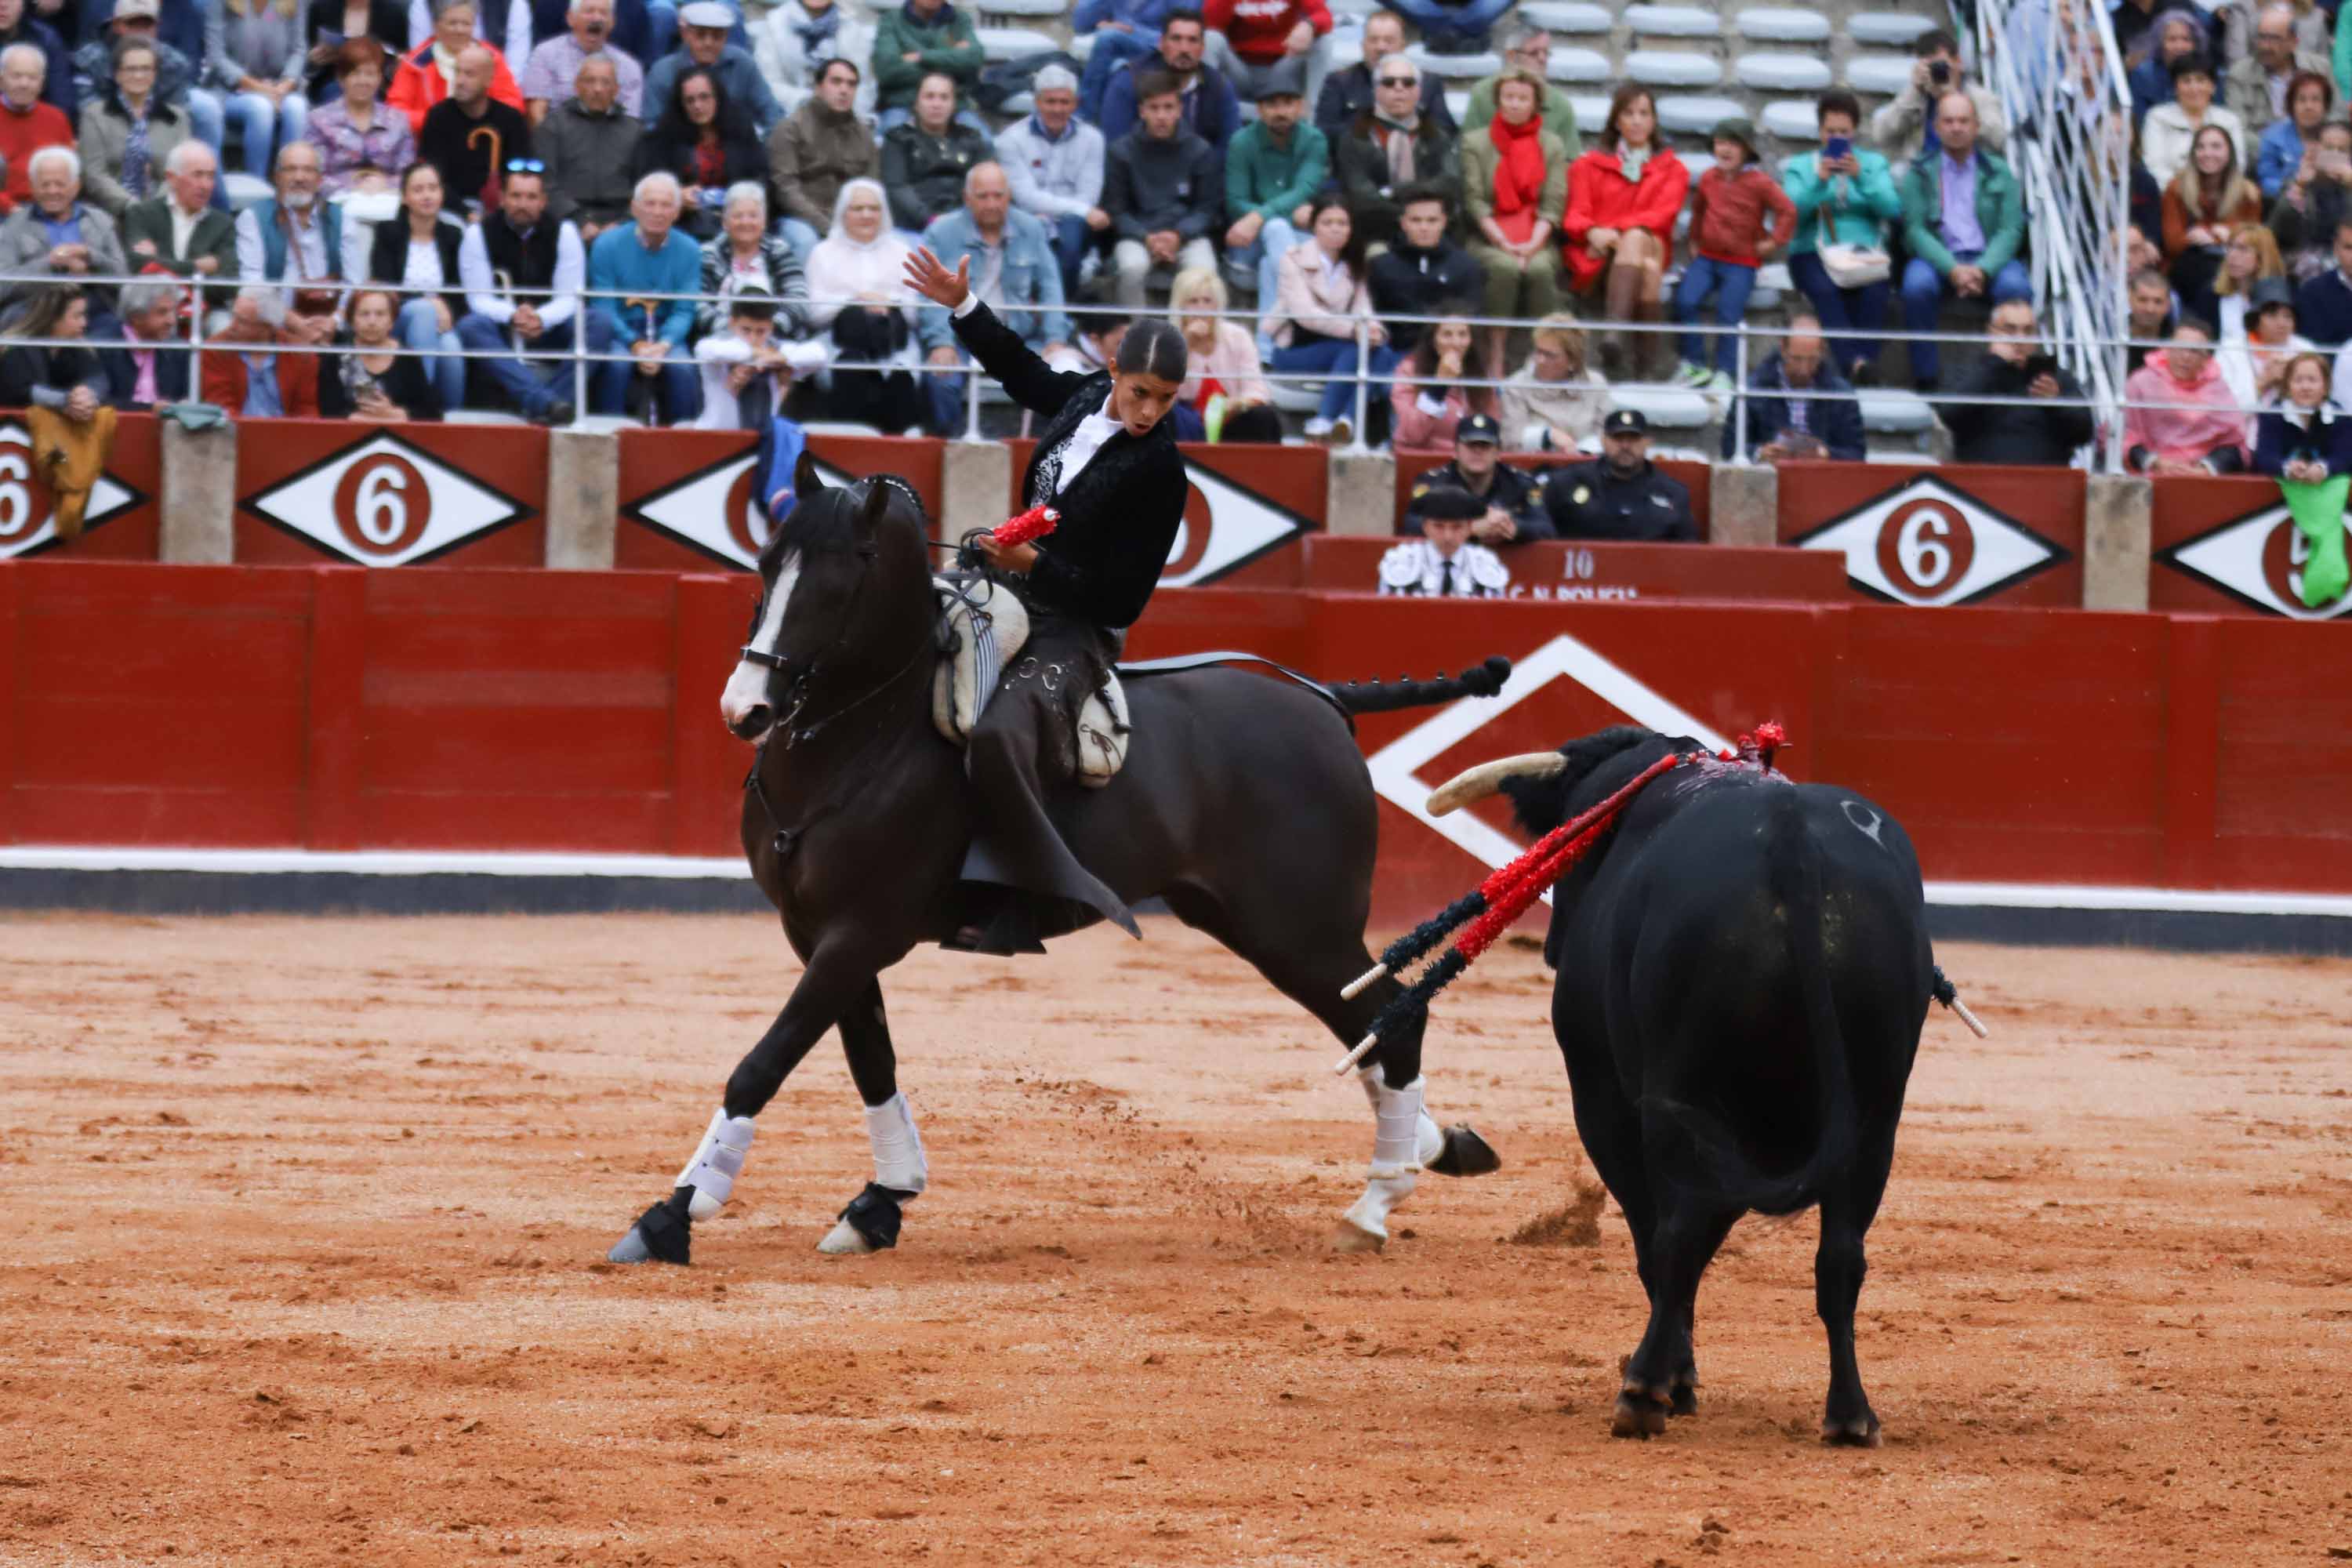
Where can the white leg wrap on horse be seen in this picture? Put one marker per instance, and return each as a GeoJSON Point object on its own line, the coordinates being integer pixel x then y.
{"type": "Point", "coordinates": [898, 1160]}
{"type": "Point", "coordinates": [718, 1161]}
{"type": "Point", "coordinates": [1398, 1151]}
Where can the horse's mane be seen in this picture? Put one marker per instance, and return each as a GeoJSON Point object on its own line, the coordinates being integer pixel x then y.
{"type": "Point", "coordinates": [827, 522]}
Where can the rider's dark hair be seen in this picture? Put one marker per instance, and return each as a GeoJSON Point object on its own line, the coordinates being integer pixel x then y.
{"type": "Point", "coordinates": [1153, 347]}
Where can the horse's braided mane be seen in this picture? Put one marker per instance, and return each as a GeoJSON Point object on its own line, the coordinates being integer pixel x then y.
{"type": "Point", "coordinates": [830, 523]}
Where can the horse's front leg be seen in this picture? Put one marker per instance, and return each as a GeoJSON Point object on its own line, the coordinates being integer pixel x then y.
{"type": "Point", "coordinates": [870, 1222]}
{"type": "Point", "coordinates": [837, 972]}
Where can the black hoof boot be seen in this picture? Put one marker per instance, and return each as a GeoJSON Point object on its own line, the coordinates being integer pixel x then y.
{"type": "Point", "coordinates": [663, 1234]}
{"type": "Point", "coordinates": [1466, 1154]}
{"type": "Point", "coordinates": [874, 1216]}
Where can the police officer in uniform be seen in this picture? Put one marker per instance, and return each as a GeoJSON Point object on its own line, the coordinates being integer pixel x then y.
{"type": "Point", "coordinates": [1514, 512]}
{"type": "Point", "coordinates": [1621, 494]}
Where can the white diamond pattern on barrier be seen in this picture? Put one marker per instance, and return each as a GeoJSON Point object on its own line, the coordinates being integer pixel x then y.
{"type": "Point", "coordinates": [2258, 559]}
{"type": "Point", "coordinates": [29, 516]}
{"type": "Point", "coordinates": [384, 502]}
{"type": "Point", "coordinates": [712, 510]}
{"type": "Point", "coordinates": [1235, 526]}
{"type": "Point", "coordinates": [1928, 543]}
{"type": "Point", "coordinates": [1395, 767]}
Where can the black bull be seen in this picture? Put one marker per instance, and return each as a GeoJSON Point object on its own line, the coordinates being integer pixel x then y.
{"type": "Point", "coordinates": [1743, 970]}
{"type": "Point", "coordinates": [1244, 803]}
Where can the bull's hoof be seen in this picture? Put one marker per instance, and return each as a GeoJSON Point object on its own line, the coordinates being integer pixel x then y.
{"type": "Point", "coordinates": [1466, 1154]}
{"type": "Point", "coordinates": [1349, 1236]}
{"type": "Point", "coordinates": [1854, 1432]}
{"type": "Point", "coordinates": [1639, 1414]}
{"type": "Point", "coordinates": [663, 1234]}
{"type": "Point", "coordinates": [870, 1222]}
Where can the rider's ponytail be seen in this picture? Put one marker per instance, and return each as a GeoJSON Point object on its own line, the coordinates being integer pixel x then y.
{"type": "Point", "coordinates": [1155, 348]}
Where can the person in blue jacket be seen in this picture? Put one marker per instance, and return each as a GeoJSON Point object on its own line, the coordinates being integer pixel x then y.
{"type": "Point", "coordinates": [1213, 111]}
{"type": "Point", "coordinates": [1796, 406]}
{"type": "Point", "coordinates": [2304, 434]}
{"type": "Point", "coordinates": [1123, 30]}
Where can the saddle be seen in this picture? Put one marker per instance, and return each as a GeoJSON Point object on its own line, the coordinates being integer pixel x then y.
{"type": "Point", "coordinates": [982, 629]}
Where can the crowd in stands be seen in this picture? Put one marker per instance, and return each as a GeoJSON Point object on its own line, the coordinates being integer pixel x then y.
{"type": "Point", "coordinates": [447, 176]}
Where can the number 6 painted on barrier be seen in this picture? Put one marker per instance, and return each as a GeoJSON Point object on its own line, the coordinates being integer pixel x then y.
{"type": "Point", "coordinates": [381, 501]}
{"type": "Point", "coordinates": [1917, 551]}
{"type": "Point", "coordinates": [16, 495]}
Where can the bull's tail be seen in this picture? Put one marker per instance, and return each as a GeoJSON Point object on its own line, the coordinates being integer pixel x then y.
{"type": "Point", "coordinates": [1793, 869]}
{"type": "Point", "coordinates": [1375, 696]}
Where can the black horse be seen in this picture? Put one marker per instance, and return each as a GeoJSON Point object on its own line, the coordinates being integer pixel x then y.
{"type": "Point", "coordinates": [1244, 803]}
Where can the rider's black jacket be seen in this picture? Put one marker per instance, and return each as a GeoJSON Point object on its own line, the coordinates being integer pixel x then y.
{"type": "Point", "coordinates": [1120, 516]}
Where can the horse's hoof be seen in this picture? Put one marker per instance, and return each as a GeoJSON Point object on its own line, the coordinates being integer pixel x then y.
{"type": "Point", "coordinates": [843, 1241]}
{"type": "Point", "coordinates": [1857, 1432]}
{"type": "Point", "coordinates": [1466, 1153]}
{"type": "Point", "coordinates": [870, 1222]}
{"type": "Point", "coordinates": [1349, 1237]}
{"type": "Point", "coordinates": [1642, 1417]}
{"type": "Point", "coordinates": [663, 1234]}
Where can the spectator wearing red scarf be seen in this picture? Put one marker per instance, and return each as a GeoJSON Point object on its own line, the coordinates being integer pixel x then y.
{"type": "Point", "coordinates": [1515, 189]}
{"type": "Point", "coordinates": [1622, 197]}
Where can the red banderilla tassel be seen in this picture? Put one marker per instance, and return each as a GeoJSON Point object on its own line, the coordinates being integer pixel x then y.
{"type": "Point", "coordinates": [1035, 523]}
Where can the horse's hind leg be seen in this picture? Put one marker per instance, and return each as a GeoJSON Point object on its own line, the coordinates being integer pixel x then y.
{"type": "Point", "coordinates": [871, 1221]}
{"type": "Point", "coordinates": [1310, 967]}
{"type": "Point", "coordinates": [836, 974]}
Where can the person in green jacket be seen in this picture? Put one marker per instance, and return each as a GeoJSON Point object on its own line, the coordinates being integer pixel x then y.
{"type": "Point", "coordinates": [1844, 194]}
{"type": "Point", "coordinates": [1964, 246]}
{"type": "Point", "coordinates": [1527, 49]}
{"type": "Point", "coordinates": [918, 39]}
{"type": "Point", "coordinates": [1273, 166]}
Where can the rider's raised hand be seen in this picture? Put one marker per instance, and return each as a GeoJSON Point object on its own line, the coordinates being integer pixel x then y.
{"type": "Point", "coordinates": [929, 276]}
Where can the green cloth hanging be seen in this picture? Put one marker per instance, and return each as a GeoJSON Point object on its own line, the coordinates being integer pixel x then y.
{"type": "Point", "coordinates": [2318, 513]}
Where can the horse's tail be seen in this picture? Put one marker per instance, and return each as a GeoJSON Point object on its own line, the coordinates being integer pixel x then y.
{"type": "Point", "coordinates": [1379, 697]}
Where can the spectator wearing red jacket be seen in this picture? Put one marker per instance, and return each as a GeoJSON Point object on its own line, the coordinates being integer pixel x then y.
{"type": "Point", "coordinates": [27, 125]}
{"type": "Point", "coordinates": [1261, 33]}
{"type": "Point", "coordinates": [426, 73]}
{"type": "Point", "coordinates": [1622, 197]}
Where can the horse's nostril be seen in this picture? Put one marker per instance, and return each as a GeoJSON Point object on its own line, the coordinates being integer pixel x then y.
{"type": "Point", "coordinates": [755, 722]}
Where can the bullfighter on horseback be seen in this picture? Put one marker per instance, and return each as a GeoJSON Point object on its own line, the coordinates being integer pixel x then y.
{"type": "Point", "coordinates": [1106, 461]}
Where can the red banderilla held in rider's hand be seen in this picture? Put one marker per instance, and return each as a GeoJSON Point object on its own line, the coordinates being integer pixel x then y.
{"type": "Point", "coordinates": [1035, 523]}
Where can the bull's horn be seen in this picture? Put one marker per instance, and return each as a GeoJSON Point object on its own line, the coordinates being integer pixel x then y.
{"type": "Point", "coordinates": [1478, 783]}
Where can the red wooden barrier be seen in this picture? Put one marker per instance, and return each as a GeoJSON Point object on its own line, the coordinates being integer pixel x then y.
{"type": "Point", "coordinates": [2227, 546]}
{"type": "Point", "coordinates": [333, 708]}
{"type": "Point", "coordinates": [389, 495]}
{"type": "Point", "coordinates": [1601, 570]}
{"type": "Point", "coordinates": [686, 495]}
{"type": "Point", "coordinates": [1412, 465]}
{"type": "Point", "coordinates": [1247, 511]}
{"type": "Point", "coordinates": [120, 522]}
{"type": "Point", "coordinates": [1956, 534]}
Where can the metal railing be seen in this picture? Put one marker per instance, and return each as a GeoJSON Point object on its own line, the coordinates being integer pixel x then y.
{"type": "Point", "coordinates": [2103, 397]}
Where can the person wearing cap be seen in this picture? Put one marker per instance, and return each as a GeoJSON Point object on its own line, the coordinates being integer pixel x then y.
{"type": "Point", "coordinates": [1443, 563]}
{"type": "Point", "coordinates": [1055, 162]}
{"type": "Point", "coordinates": [93, 62]}
{"type": "Point", "coordinates": [1273, 169]}
{"type": "Point", "coordinates": [1423, 272]}
{"type": "Point", "coordinates": [2179, 415]}
{"type": "Point", "coordinates": [1255, 38]}
{"type": "Point", "coordinates": [1964, 224]}
{"type": "Point", "coordinates": [816, 150]}
{"type": "Point", "coordinates": [747, 372]}
{"type": "Point", "coordinates": [1621, 494]}
{"type": "Point", "coordinates": [702, 31]}
{"type": "Point", "coordinates": [548, 76]}
{"type": "Point", "coordinates": [1014, 274]}
{"type": "Point", "coordinates": [1393, 148]}
{"type": "Point", "coordinates": [916, 38]}
{"type": "Point", "coordinates": [1730, 239]}
{"type": "Point", "coordinates": [2255, 365]}
{"type": "Point", "coordinates": [1514, 192]}
{"type": "Point", "coordinates": [1796, 406]}
{"type": "Point", "coordinates": [1513, 496]}
{"type": "Point", "coordinates": [428, 72]}
{"type": "Point", "coordinates": [589, 144]}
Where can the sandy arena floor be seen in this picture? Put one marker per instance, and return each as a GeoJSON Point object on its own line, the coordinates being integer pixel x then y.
{"type": "Point", "coordinates": [303, 1221]}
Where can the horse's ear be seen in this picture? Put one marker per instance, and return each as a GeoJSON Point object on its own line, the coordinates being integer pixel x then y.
{"type": "Point", "coordinates": [878, 501]}
{"type": "Point", "coordinates": [806, 483]}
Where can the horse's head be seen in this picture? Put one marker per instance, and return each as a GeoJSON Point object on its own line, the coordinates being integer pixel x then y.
{"type": "Point", "coordinates": [844, 589]}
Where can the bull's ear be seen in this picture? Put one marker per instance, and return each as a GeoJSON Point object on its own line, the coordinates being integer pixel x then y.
{"type": "Point", "coordinates": [876, 502]}
{"type": "Point", "coordinates": [806, 483]}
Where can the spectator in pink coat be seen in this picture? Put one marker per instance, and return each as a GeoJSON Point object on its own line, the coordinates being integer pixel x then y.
{"type": "Point", "coordinates": [1429, 402]}
{"type": "Point", "coordinates": [2181, 416]}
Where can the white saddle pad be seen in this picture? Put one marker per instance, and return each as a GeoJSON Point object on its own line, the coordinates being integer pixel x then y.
{"type": "Point", "coordinates": [987, 630]}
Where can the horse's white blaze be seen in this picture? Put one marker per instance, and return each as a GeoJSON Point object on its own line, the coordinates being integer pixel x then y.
{"type": "Point", "coordinates": [748, 688]}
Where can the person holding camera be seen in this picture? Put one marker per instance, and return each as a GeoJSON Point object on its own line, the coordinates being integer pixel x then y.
{"type": "Point", "coordinates": [2047, 430]}
{"type": "Point", "coordinates": [1905, 126]}
{"type": "Point", "coordinates": [1846, 205]}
